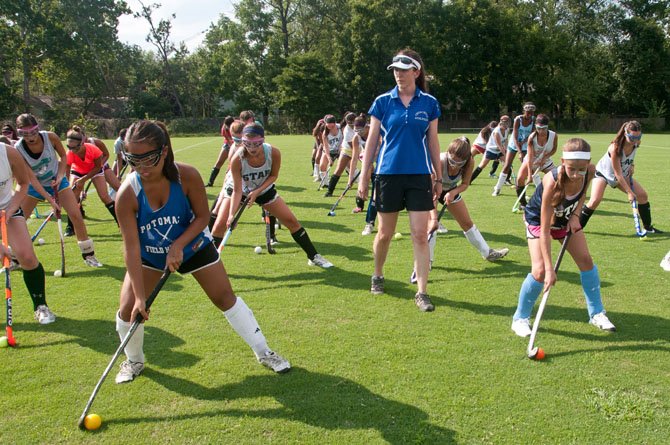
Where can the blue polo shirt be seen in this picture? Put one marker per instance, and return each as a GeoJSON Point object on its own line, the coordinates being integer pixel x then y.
{"type": "Point", "coordinates": [404, 149]}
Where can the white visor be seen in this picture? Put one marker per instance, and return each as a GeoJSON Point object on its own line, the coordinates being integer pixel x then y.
{"type": "Point", "coordinates": [403, 62]}
{"type": "Point", "coordinates": [576, 155]}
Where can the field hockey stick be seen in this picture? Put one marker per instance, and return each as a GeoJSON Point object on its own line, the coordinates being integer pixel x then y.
{"type": "Point", "coordinates": [60, 234]}
{"type": "Point", "coordinates": [532, 349]}
{"type": "Point", "coordinates": [238, 214]}
{"type": "Point", "coordinates": [639, 231]}
{"type": "Point", "coordinates": [119, 350]}
{"type": "Point", "coordinates": [44, 223]}
{"type": "Point", "coordinates": [268, 232]}
{"type": "Point", "coordinates": [11, 341]}
{"type": "Point", "coordinates": [332, 209]}
{"type": "Point", "coordinates": [123, 170]}
{"type": "Point", "coordinates": [517, 203]}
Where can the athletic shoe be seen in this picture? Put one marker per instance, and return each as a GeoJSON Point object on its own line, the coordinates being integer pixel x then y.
{"type": "Point", "coordinates": [316, 178]}
{"type": "Point", "coordinates": [496, 254]}
{"type": "Point", "coordinates": [209, 184]}
{"type": "Point", "coordinates": [357, 210]}
{"type": "Point", "coordinates": [367, 230]}
{"type": "Point", "coordinates": [274, 361]}
{"type": "Point", "coordinates": [69, 231]}
{"type": "Point", "coordinates": [328, 195]}
{"type": "Point", "coordinates": [602, 322]}
{"type": "Point", "coordinates": [652, 229]}
{"type": "Point", "coordinates": [377, 286]}
{"type": "Point", "coordinates": [129, 370]}
{"type": "Point", "coordinates": [441, 230]}
{"type": "Point", "coordinates": [509, 182]}
{"type": "Point", "coordinates": [320, 261]}
{"type": "Point", "coordinates": [92, 261]}
{"type": "Point", "coordinates": [423, 302]}
{"type": "Point", "coordinates": [665, 263]}
{"type": "Point", "coordinates": [492, 175]}
{"type": "Point", "coordinates": [521, 327]}
{"type": "Point", "coordinates": [43, 315]}
{"type": "Point", "coordinates": [13, 265]}
{"type": "Point", "coordinates": [274, 241]}
{"type": "Point", "coordinates": [496, 192]}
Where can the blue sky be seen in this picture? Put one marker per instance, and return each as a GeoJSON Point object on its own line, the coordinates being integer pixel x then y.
{"type": "Point", "coordinates": [193, 19]}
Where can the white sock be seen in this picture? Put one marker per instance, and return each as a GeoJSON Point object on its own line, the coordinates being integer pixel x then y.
{"type": "Point", "coordinates": [501, 181]}
{"type": "Point", "coordinates": [242, 319]}
{"type": "Point", "coordinates": [477, 240]}
{"type": "Point", "coordinates": [86, 246]}
{"type": "Point", "coordinates": [134, 347]}
{"type": "Point", "coordinates": [431, 246]}
{"type": "Point", "coordinates": [537, 179]}
{"type": "Point", "coordinates": [316, 170]}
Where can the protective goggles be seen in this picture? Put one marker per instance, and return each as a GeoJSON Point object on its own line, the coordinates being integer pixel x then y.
{"type": "Point", "coordinates": [8, 133]}
{"type": "Point", "coordinates": [73, 147]}
{"type": "Point", "coordinates": [253, 144]}
{"type": "Point", "coordinates": [632, 137]}
{"type": "Point", "coordinates": [32, 131]}
{"type": "Point", "coordinates": [237, 140]}
{"type": "Point", "coordinates": [541, 127]}
{"type": "Point", "coordinates": [529, 108]}
{"type": "Point", "coordinates": [455, 163]}
{"type": "Point", "coordinates": [148, 159]}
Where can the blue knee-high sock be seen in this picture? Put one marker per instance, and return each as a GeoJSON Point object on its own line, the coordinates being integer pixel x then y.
{"type": "Point", "coordinates": [591, 287]}
{"type": "Point", "coordinates": [530, 290]}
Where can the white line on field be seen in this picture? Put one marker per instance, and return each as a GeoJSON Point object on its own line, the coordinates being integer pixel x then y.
{"type": "Point", "coordinates": [195, 145]}
{"type": "Point", "coordinates": [656, 146]}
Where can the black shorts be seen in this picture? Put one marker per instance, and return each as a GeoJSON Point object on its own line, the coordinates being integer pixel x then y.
{"type": "Point", "coordinates": [334, 155]}
{"type": "Point", "coordinates": [394, 193]}
{"type": "Point", "coordinates": [263, 198]}
{"type": "Point", "coordinates": [204, 257]}
{"type": "Point", "coordinates": [492, 156]}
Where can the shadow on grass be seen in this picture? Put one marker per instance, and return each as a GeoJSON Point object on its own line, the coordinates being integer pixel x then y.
{"type": "Point", "coordinates": [101, 336]}
{"type": "Point", "coordinates": [319, 400]}
{"type": "Point", "coordinates": [630, 327]}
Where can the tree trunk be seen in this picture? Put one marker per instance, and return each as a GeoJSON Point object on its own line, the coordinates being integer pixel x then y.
{"type": "Point", "coordinates": [26, 83]}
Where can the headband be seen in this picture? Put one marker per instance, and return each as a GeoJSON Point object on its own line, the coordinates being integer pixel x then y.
{"type": "Point", "coordinates": [253, 130]}
{"type": "Point", "coordinates": [576, 155]}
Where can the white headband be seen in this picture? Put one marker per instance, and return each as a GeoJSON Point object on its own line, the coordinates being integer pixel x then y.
{"type": "Point", "coordinates": [578, 155]}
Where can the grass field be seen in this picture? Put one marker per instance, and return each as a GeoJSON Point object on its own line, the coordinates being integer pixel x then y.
{"type": "Point", "coordinates": [367, 369]}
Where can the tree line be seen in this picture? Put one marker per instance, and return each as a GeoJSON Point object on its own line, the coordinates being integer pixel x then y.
{"type": "Point", "coordinates": [302, 59]}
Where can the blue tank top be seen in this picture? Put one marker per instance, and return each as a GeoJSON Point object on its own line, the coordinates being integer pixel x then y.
{"type": "Point", "coordinates": [159, 228]}
{"type": "Point", "coordinates": [561, 213]}
{"type": "Point", "coordinates": [523, 133]}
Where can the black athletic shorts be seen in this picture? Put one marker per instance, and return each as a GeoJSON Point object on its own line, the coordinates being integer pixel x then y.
{"type": "Point", "coordinates": [394, 193]}
{"type": "Point", "coordinates": [263, 198]}
{"type": "Point", "coordinates": [204, 257]}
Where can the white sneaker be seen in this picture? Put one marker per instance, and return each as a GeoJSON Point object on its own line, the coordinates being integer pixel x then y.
{"type": "Point", "coordinates": [43, 315]}
{"type": "Point", "coordinates": [92, 261]}
{"type": "Point", "coordinates": [441, 230]}
{"type": "Point", "coordinates": [320, 261]}
{"type": "Point", "coordinates": [496, 254]}
{"type": "Point", "coordinates": [602, 322]}
{"type": "Point", "coordinates": [496, 192]}
{"type": "Point", "coordinates": [367, 230]}
{"type": "Point", "coordinates": [129, 370]}
{"type": "Point", "coordinates": [665, 263]}
{"type": "Point", "coordinates": [521, 327]}
{"type": "Point", "coordinates": [274, 361]}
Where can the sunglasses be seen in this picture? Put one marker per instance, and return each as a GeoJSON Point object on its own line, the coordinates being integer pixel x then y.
{"type": "Point", "coordinates": [148, 159]}
{"type": "Point", "coordinates": [632, 137]}
{"type": "Point", "coordinates": [407, 61]}
{"type": "Point", "coordinates": [34, 131]}
{"type": "Point", "coordinates": [455, 163]}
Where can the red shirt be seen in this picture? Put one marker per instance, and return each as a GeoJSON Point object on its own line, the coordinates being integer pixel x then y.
{"type": "Point", "coordinates": [227, 136]}
{"type": "Point", "coordinates": [83, 166]}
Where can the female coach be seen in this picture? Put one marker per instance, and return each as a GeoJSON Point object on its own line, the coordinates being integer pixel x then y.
{"type": "Point", "coordinates": [406, 119]}
{"type": "Point", "coordinates": [163, 217]}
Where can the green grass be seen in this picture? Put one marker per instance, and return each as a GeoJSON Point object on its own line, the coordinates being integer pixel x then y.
{"type": "Point", "coordinates": [366, 369]}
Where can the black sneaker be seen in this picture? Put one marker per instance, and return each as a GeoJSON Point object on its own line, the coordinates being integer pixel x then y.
{"type": "Point", "coordinates": [69, 231]}
{"type": "Point", "coordinates": [327, 195]}
{"type": "Point", "coordinates": [377, 285]}
{"type": "Point", "coordinates": [209, 184]}
{"type": "Point", "coordinates": [652, 229]}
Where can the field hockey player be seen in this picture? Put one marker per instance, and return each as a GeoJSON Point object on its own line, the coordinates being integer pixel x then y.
{"type": "Point", "coordinates": [175, 235]}
{"type": "Point", "coordinates": [553, 212]}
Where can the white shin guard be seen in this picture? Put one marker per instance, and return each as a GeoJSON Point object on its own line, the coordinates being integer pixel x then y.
{"type": "Point", "coordinates": [86, 246]}
{"type": "Point", "coordinates": [134, 348]}
{"type": "Point", "coordinates": [501, 181]}
{"type": "Point", "coordinates": [477, 240]}
{"type": "Point", "coordinates": [242, 319]}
